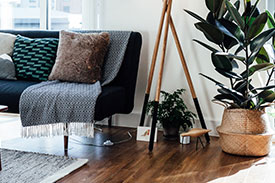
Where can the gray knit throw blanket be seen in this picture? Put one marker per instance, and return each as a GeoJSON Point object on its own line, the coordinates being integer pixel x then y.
{"type": "Point", "coordinates": [61, 108]}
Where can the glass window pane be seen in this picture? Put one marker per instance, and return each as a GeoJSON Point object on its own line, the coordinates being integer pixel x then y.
{"type": "Point", "coordinates": [66, 14]}
{"type": "Point", "coordinates": [19, 14]}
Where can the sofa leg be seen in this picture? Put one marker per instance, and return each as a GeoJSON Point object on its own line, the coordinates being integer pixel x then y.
{"type": "Point", "coordinates": [66, 140]}
{"type": "Point", "coordinates": [66, 143]}
{"type": "Point", "coordinates": [110, 121]}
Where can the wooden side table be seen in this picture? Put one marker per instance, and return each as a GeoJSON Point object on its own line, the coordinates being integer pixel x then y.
{"type": "Point", "coordinates": [2, 109]}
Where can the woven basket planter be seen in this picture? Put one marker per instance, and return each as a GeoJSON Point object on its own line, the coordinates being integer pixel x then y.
{"type": "Point", "coordinates": [245, 132]}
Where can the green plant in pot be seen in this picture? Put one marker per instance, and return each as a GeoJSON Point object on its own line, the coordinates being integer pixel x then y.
{"type": "Point", "coordinates": [172, 113]}
{"type": "Point", "coordinates": [241, 45]}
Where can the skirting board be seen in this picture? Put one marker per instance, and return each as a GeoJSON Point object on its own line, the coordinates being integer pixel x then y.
{"type": "Point", "coordinates": [132, 121]}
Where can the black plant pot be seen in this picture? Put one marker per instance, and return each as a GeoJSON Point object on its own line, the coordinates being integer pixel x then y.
{"type": "Point", "coordinates": [171, 133]}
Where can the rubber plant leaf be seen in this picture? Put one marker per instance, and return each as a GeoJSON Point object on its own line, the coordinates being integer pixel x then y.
{"type": "Point", "coordinates": [257, 26]}
{"type": "Point", "coordinates": [258, 67]}
{"type": "Point", "coordinates": [267, 96]}
{"type": "Point", "coordinates": [235, 14]}
{"type": "Point", "coordinates": [230, 55]}
{"type": "Point", "coordinates": [206, 46]}
{"type": "Point", "coordinates": [237, 6]}
{"type": "Point", "coordinates": [213, 5]}
{"type": "Point", "coordinates": [229, 74]}
{"type": "Point", "coordinates": [221, 62]}
{"type": "Point", "coordinates": [262, 56]}
{"type": "Point", "coordinates": [195, 16]}
{"type": "Point", "coordinates": [258, 42]}
{"type": "Point", "coordinates": [212, 33]}
{"type": "Point", "coordinates": [270, 21]}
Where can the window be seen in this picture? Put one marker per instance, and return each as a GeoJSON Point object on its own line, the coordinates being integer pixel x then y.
{"type": "Point", "coordinates": [45, 14]}
{"type": "Point", "coordinates": [66, 14]}
{"type": "Point", "coordinates": [19, 14]}
{"type": "Point", "coordinates": [271, 6]}
{"type": "Point", "coordinates": [66, 9]}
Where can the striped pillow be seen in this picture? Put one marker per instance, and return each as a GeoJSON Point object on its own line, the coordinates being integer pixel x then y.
{"type": "Point", "coordinates": [34, 58]}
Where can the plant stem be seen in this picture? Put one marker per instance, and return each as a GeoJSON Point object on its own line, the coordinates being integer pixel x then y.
{"type": "Point", "coordinates": [269, 78]}
{"type": "Point", "coordinates": [231, 82]}
{"type": "Point", "coordinates": [247, 72]}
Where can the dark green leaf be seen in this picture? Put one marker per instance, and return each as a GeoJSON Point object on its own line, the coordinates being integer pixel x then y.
{"type": "Point", "coordinates": [229, 55]}
{"type": "Point", "coordinates": [210, 18]}
{"type": "Point", "coordinates": [213, 5]}
{"type": "Point", "coordinates": [238, 97]}
{"type": "Point", "coordinates": [257, 26]}
{"type": "Point", "coordinates": [229, 74]}
{"type": "Point", "coordinates": [267, 96]}
{"type": "Point", "coordinates": [258, 42]}
{"type": "Point", "coordinates": [195, 16]}
{"type": "Point", "coordinates": [217, 83]}
{"type": "Point", "coordinates": [252, 13]}
{"type": "Point", "coordinates": [237, 6]}
{"type": "Point", "coordinates": [270, 21]}
{"type": "Point", "coordinates": [222, 10]}
{"type": "Point", "coordinates": [232, 30]}
{"type": "Point", "coordinates": [241, 87]}
{"type": "Point", "coordinates": [239, 49]}
{"type": "Point", "coordinates": [234, 64]}
{"type": "Point", "coordinates": [206, 46]}
{"type": "Point", "coordinates": [221, 62]}
{"type": "Point", "coordinates": [252, 58]}
{"type": "Point", "coordinates": [258, 67]}
{"type": "Point", "coordinates": [265, 88]}
{"type": "Point", "coordinates": [212, 33]}
{"type": "Point", "coordinates": [229, 39]}
{"type": "Point", "coordinates": [223, 96]}
{"type": "Point", "coordinates": [235, 14]}
{"type": "Point", "coordinates": [262, 56]}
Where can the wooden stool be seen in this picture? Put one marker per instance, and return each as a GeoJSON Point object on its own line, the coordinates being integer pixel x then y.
{"type": "Point", "coordinates": [196, 132]}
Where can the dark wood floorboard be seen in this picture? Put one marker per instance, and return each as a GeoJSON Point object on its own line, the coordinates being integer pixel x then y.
{"type": "Point", "coordinates": [131, 162]}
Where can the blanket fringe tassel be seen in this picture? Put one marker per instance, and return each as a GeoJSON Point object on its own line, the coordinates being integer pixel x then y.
{"type": "Point", "coordinates": [65, 129]}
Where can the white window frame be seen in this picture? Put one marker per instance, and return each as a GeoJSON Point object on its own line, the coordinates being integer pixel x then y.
{"type": "Point", "coordinates": [87, 14]}
{"type": "Point", "coordinates": [270, 5]}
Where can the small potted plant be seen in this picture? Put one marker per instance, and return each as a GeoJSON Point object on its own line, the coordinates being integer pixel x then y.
{"type": "Point", "coordinates": [172, 113]}
{"type": "Point", "coordinates": [241, 45]}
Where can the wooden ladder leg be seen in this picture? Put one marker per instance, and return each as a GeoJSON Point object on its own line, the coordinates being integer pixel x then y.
{"type": "Point", "coordinates": [188, 77]}
{"type": "Point", "coordinates": [156, 102]}
{"type": "Point", "coordinates": [153, 64]}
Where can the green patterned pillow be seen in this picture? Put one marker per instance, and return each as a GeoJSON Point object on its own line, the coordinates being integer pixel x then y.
{"type": "Point", "coordinates": [34, 58]}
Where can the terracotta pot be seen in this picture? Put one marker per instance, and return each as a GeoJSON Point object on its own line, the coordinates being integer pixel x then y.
{"type": "Point", "coordinates": [245, 132]}
{"type": "Point", "coordinates": [171, 133]}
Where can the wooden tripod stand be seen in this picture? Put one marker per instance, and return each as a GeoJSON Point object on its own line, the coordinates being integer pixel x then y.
{"type": "Point", "coordinates": [166, 11]}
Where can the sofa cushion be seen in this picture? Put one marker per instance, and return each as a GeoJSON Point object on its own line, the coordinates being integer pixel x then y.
{"type": "Point", "coordinates": [6, 43]}
{"type": "Point", "coordinates": [80, 57]}
{"type": "Point", "coordinates": [34, 58]}
{"type": "Point", "coordinates": [7, 69]}
{"type": "Point", "coordinates": [10, 92]}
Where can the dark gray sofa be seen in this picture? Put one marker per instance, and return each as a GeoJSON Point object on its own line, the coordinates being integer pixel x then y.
{"type": "Point", "coordinates": [116, 97]}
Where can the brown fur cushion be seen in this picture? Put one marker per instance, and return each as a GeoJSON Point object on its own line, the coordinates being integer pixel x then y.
{"type": "Point", "coordinates": [80, 57]}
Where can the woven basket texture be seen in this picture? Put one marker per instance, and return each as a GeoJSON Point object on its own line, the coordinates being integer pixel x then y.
{"type": "Point", "coordinates": [245, 144]}
{"type": "Point", "coordinates": [244, 121]}
{"type": "Point", "coordinates": [245, 132]}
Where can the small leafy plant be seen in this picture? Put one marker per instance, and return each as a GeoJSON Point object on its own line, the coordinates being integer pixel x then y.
{"type": "Point", "coordinates": [172, 111]}
{"type": "Point", "coordinates": [241, 38]}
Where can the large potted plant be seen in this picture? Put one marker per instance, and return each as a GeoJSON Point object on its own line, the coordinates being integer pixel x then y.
{"type": "Point", "coordinates": [240, 45]}
{"type": "Point", "coordinates": [172, 113]}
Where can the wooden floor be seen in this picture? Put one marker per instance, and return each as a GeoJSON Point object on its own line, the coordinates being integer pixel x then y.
{"type": "Point", "coordinates": [131, 162]}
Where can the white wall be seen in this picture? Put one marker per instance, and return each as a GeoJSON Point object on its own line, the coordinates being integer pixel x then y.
{"type": "Point", "coordinates": [143, 16]}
